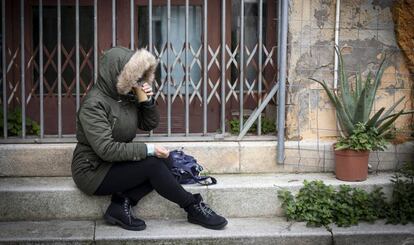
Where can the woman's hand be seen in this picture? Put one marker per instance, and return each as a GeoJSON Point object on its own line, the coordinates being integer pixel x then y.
{"type": "Point", "coordinates": [143, 92]}
{"type": "Point", "coordinates": [161, 152]}
{"type": "Point", "coordinates": [147, 89]}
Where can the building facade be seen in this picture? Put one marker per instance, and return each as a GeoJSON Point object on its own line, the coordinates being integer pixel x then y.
{"type": "Point", "coordinates": [210, 87]}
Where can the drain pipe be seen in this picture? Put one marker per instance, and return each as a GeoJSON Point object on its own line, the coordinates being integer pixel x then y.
{"type": "Point", "coordinates": [282, 82]}
{"type": "Point", "coordinates": [336, 57]}
{"type": "Point", "coordinates": [336, 60]}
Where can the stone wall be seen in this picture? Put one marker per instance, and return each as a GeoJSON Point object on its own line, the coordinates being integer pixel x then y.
{"type": "Point", "coordinates": [403, 16]}
{"type": "Point", "coordinates": [366, 34]}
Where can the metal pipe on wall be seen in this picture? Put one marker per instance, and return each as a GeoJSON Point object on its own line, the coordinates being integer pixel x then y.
{"type": "Point", "coordinates": [336, 63]}
{"type": "Point", "coordinates": [336, 58]}
{"type": "Point", "coordinates": [279, 27]}
{"type": "Point", "coordinates": [282, 83]}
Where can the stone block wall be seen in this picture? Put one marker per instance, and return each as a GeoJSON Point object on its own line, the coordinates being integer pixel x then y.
{"type": "Point", "coordinates": [366, 35]}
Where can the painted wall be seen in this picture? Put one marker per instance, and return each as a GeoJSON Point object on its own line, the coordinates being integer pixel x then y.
{"type": "Point", "coordinates": [366, 34]}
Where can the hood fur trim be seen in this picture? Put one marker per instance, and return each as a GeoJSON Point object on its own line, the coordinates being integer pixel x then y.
{"type": "Point", "coordinates": [141, 66]}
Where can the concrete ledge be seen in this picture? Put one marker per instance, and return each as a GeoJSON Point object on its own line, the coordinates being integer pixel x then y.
{"type": "Point", "coordinates": [377, 234]}
{"type": "Point", "coordinates": [256, 231]}
{"type": "Point", "coordinates": [50, 232]}
{"type": "Point", "coordinates": [36, 159]}
{"type": "Point", "coordinates": [241, 195]}
{"type": "Point", "coordinates": [238, 231]}
{"type": "Point", "coordinates": [179, 231]}
{"type": "Point", "coordinates": [217, 157]}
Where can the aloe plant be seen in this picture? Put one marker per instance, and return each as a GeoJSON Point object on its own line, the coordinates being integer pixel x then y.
{"type": "Point", "coordinates": [354, 103]}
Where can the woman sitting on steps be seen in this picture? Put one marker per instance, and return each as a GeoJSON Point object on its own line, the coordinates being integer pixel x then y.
{"type": "Point", "coordinates": [107, 162]}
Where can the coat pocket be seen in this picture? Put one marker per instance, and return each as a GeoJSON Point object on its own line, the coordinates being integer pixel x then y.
{"type": "Point", "coordinates": [94, 164]}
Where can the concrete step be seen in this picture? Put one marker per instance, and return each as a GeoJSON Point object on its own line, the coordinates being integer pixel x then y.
{"type": "Point", "coordinates": [239, 231]}
{"type": "Point", "coordinates": [17, 160]}
{"type": "Point", "coordinates": [238, 195]}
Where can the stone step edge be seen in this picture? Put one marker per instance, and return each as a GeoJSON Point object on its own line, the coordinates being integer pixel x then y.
{"type": "Point", "coordinates": [224, 181]}
{"type": "Point", "coordinates": [178, 231]}
{"type": "Point", "coordinates": [254, 195]}
{"type": "Point", "coordinates": [216, 157]}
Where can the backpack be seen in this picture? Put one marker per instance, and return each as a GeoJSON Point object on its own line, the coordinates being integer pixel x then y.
{"type": "Point", "coordinates": [186, 169]}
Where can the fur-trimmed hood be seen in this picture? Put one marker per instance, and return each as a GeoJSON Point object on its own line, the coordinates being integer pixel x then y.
{"type": "Point", "coordinates": [139, 69]}
{"type": "Point", "coordinates": [120, 69]}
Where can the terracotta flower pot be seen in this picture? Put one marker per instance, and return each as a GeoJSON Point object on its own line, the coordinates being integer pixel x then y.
{"type": "Point", "coordinates": [351, 165]}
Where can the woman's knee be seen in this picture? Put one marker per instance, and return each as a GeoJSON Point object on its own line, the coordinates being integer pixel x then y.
{"type": "Point", "coordinates": [156, 164]}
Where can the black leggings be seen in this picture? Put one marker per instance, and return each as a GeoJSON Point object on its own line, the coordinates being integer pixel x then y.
{"type": "Point", "coordinates": [136, 179]}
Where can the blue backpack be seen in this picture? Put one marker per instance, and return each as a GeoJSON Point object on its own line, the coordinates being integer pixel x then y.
{"type": "Point", "coordinates": [186, 169]}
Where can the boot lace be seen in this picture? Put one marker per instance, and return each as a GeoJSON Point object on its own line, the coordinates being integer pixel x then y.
{"type": "Point", "coordinates": [127, 210]}
{"type": "Point", "coordinates": [204, 209]}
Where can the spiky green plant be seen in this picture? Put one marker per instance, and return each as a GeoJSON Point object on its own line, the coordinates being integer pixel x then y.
{"type": "Point", "coordinates": [354, 103]}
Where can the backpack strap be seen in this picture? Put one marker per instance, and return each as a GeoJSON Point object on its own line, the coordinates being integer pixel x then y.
{"type": "Point", "coordinates": [204, 180]}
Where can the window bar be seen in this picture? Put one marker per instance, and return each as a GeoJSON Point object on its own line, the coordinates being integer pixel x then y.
{"type": "Point", "coordinates": [205, 65]}
{"type": "Point", "coordinates": [259, 119]}
{"type": "Point", "coordinates": [59, 67]}
{"type": "Point", "coordinates": [168, 67]}
{"type": "Point", "coordinates": [150, 36]}
{"type": "Point", "coordinates": [150, 25]}
{"type": "Point", "coordinates": [22, 69]}
{"type": "Point", "coordinates": [187, 125]}
{"type": "Point", "coordinates": [77, 57]}
{"type": "Point", "coordinates": [282, 84]}
{"type": "Point", "coordinates": [113, 23]}
{"type": "Point", "coordinates": [4, 67]}
{"type": "Point", "coordinates": [42, 126]}
{"type": "Point", "coordinates": [223, 66]}
{"type": "Point", "coordinates": [95, 41]}
{"type": "Point", "coordinates": [132, 5]}
{"type": "Point", "coordinates": [241, 64]}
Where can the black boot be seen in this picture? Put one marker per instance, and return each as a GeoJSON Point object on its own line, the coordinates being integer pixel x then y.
{"type": "Point", "coordinates": [201, 214]}
{"type": "Point", "coordinates": [119, 212]}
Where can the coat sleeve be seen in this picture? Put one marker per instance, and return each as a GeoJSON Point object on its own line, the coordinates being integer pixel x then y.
{"type": "Point", "coordinates": [97, 129]}
{"type": "Point", "coordinates": [148, 116]}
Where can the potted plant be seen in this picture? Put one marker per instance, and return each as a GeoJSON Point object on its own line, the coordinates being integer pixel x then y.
{"type": "Point", "coordinates": [361, 131]}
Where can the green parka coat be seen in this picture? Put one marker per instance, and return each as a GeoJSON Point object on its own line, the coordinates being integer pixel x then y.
{"type": "Point", "coordinates": [109, 116]}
